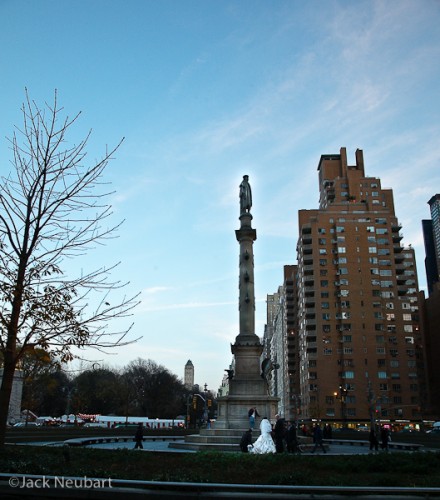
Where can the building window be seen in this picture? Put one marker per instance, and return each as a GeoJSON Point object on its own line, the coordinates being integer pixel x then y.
{"type": "Point", "coordinates": [383, 387]}
{"type": "Point", "coordinates": [372, 250]}
{"type": "Point", "coordinates": [386, 284]}
{"type": "Point", "coordinates": [407, 317]}
{"type": "Point", "coordinates": [386, 272]}
{"type": "Point", "coordinates": [330, 412]}
{"type": "Point", "coordinates": [381, 374]}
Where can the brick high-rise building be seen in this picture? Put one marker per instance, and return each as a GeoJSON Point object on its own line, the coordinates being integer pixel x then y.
{"type": "Point", "coordinates": [431, 236]}
{"type": "Point", "coordinates": [359, 338]}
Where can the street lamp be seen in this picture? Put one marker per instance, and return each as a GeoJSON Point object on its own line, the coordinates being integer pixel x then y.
{"type": "Point", "coordinates": [205, 408]}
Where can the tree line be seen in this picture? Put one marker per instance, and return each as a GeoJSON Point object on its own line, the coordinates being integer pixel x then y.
{"type": "Point", "coordinates": [142, 388]}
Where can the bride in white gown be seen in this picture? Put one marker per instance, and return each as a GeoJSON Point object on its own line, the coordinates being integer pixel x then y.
{"type": "Point", "coordinates": [264, 444]}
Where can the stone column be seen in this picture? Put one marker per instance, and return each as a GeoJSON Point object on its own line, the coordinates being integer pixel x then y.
{"type": "Point", "coordinates": [247, 388]}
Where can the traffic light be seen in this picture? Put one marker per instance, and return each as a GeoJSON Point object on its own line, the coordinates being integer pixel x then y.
{"type": "Point", "coordinates": [209, 403]}
{"type": "Point", "coordinates": [195, 402]}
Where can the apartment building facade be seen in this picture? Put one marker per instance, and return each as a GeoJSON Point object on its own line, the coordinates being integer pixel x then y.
{"type": "Point", "coordinates": [358, 339]}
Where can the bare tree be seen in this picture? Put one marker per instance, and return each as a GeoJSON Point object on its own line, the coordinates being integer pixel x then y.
{"type": "Point", "coordinates": [53, 207]}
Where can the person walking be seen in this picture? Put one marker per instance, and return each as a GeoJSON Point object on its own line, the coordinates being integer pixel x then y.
{"type": "Point", "coordinates": [139, 437]}
{"type": "Point", "coordinates": [317, 438]}
{"type": "Point", "coordinates": [374, 442]}
{"type": "Point", "coordinates": [385, 438]}
{"type": "Point", "coordinates": [292, 438]}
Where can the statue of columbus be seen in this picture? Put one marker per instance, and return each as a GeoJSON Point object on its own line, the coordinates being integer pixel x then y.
{"type": "Point", "coordinates": [245, 195]}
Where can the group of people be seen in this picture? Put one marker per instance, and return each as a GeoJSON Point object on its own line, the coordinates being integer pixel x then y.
{"type": "Point", "coordinates": [275, 439]}
{"type": "Point", "coordinates": [385, 438]}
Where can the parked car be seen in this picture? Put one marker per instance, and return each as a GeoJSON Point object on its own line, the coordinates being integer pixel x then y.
{"type": "Point", "coordinates": [363, 428]}
{"type": "Point", "coordinates": [26, 424]}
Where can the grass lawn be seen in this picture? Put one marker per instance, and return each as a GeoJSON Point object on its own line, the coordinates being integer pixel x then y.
{"type": "Point", "coordinates": [394, 469]}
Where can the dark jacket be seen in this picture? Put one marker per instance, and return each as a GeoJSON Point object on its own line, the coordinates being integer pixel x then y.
{"type": "Point", "coordinates": [246, 439]}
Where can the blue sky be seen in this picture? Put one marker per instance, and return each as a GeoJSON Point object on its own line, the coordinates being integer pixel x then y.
{"type": "Point", "coordinates": [205, 92]}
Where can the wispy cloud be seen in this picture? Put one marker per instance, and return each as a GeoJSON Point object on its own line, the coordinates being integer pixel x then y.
{"type": "Point", "coordinates": [187, 305]}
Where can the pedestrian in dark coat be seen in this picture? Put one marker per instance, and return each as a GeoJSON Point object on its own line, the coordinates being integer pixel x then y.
{"type": "Point", "coordinates": [139, 437]}
{"type": "Point", "coordinates": [292, 438]}
{"type": "Point", "coordinates": [246, 441]}
{"type": "Point", "coordinates": [374, 442]}
{"type": "Point", "coordinates": [384, 437]}
{"type": "Point", "coordinates": [280, 434]}
{"type": "Point", "coordinates": [317, 438]}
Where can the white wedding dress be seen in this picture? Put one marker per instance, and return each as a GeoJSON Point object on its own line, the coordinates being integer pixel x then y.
{"type": "Point", "coordinates": [264, 444]}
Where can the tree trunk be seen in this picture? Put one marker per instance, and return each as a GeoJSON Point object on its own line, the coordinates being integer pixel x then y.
{"type": "Point", "coordinates": [5, 397]}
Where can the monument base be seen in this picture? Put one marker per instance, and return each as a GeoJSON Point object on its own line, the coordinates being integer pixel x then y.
{"type": "Point", "coordinates": [233, 410]}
